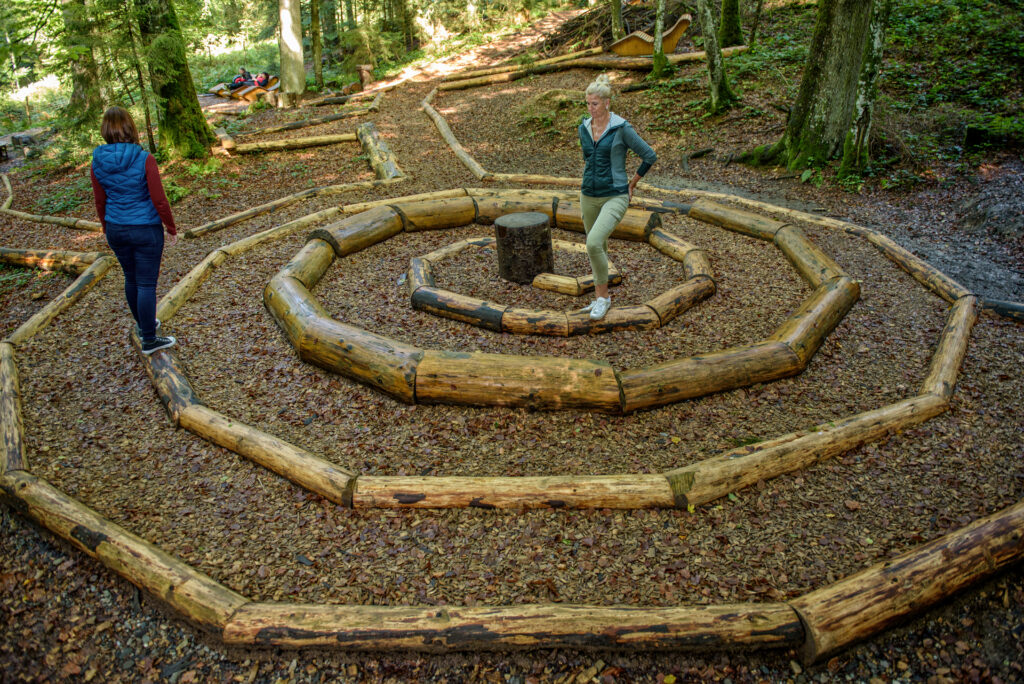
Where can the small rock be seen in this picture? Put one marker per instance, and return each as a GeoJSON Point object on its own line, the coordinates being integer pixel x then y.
{"type": "Point", "coordinates": [795, 667]}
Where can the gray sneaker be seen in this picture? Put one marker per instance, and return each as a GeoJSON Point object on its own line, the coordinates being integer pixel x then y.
{"type": "Point", "coordinates": [600, 308]}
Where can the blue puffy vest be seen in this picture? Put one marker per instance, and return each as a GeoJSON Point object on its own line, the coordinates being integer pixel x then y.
{"type": "Point", "coordinates": [121, 170]}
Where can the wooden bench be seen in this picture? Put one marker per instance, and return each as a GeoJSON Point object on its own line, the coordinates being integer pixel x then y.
{"type": "Point", "coordinates": [639, 43]}
{"type": "Point", "coordinates": [247, 93]}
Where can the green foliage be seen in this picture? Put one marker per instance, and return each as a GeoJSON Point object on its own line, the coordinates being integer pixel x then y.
{"type": "Point", "coordinates": [65, 198]}
{"type": "Point", "coordinates": [210, 69]}
{"type": "Point", "coordinates": [204, 168]}
{"type": "Point", "coordinates": [174, 191]}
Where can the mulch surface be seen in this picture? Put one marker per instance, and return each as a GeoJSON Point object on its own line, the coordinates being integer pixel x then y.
{"type": "Point", "coordinates": [97, 431]}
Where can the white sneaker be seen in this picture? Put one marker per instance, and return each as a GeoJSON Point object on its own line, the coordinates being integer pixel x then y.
{"type": "Point", "coordinates": [600, 308]}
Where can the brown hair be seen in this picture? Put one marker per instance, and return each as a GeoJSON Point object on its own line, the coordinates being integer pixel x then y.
{"type": "Point", "coordinates": [118, 126]}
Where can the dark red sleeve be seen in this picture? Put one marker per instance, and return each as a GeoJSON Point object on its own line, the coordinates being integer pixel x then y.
{"type": "Point", "coordinates": [156, 193]}
{"type": "Point", "coordinates": [100, 195]}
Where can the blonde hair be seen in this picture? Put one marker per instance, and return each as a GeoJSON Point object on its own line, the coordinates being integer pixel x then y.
{"type": "Point", "coordinates": [600, 86]}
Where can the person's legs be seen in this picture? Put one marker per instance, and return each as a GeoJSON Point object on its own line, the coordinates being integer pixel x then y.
{"type": "Point", "coordinates": [119, 239]}
{"type": "Point", "coordinates": [609, 214]}
{"type": "Point", "coordinates": [149, 247]}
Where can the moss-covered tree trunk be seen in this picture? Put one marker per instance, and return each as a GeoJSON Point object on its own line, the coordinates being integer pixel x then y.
{"type": "Point", "coordinates": [183, 128]}
{"type": "Point", "coordinates": [618, 30]}
{"type": "Point", "coordinates": [729, 31]}
{"type": "Point", "coordinates": [85, 105]}
{"type": "Point", "coordinates": [293, 71]}
{"type": "Point", "coordinates": [329, 21]}
{"type": "Point", "coordinates": [660, 61]}
{"type": "Point", "coordinates": [721, 95]}
{"type": "Point", "coordinates": [823, 112]}
{"type": "Point", "coordinates": [316, 42]}
{"type": "Point", "coordinates": [855, 147]}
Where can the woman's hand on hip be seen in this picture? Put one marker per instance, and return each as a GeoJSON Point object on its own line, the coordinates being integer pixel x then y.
{"type": "Point", "coordinates": [632, 186]}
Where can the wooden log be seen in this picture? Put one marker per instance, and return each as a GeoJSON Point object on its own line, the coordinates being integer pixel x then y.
{"type": "Point", "coordinates": [187, 286]}
{"type": "Point", "coordinates": [811, 263]}
{"type": "Point", "coordinates": [626, 491]}
{"type": "Point", "coordinates": [670, 244]}
{"type": "Point", "coordinates": [375, 105]}
{"type": "Point", "coordinates": [671, 303]}
{"type": "Point", "coordinates": [421, 273]}
{"type": "Point", "coordinates": [695, 376]}
{"type": "Point", "coordinates": [279, 232]}
{"type": "Point", "coordinates": [887, 593]}
{"type": "Point", "coordinates": [540, 196]}
{"type": "Point", "coordinates": [697, 264]}
{"type": "Point", "coordinates": [523, 242]}
{"type": "Point", "coordinates": [446, 133]}
{"type": "Point", "coordinates": [567, 285]}
{"type": "Point", "coordinates": [330, 481]}
{"type": "Point", "coordinates": [532, 178]}
{"type": "Point", "coordinates": [188, 592]}
{"type": "Point", "coordinates": [618, 318]}
{"type": "Point", "coordinates": [79, 224]}
{"type": "Point", "coordinates": [586, 282]}
{"type": "Point", "coordinates": [817, 317]}
{"type": "Point", "coordinates": [949, 354]}
{"type": "Point", "coordinates": [459, 307]}
{"type": "Point", "coordinates": [923, 272]}
{"type": "Point", "coordinates": [12, 429]}
{"type": "Point", "coordinates": [304, 123]}
{"type": "Point", "coordinates": [310, 263]}
{"type": "Point", "coordinates": [169, 379]}
{"type": "Point", "coordinates": [439, 194]}
{"type": "Point", "coordinates": [636, 224]}
{"type": "Point", "coordinates": [359, 231]}
{"type": "Point", "coordinates": [294, 143]}
{"type": "Point", "coordinates": [744, 466]}
{"type": "Point", "coordinates": [49, 259]}
{"type": "Point", "coordinates": [534, 322]}
{"type": "Point", "coordinates": [559, 625]}
{"type": "Point", "coordinates": [735, 220]}
{"type": "Point", "coordinates": [481, 379]}
{"type": "Point", "coordinates": [436, 214]}
{"type": "Point", "coordinates": [447, 251]}
{"type": "Point", "coordinates": [226, 141]}
{"type": "Point", "coordinates": [293, 307]}
{"type": "Point", "coordinates": [63, 301]}
{"type": "Point", "coordinates": [382, 159]}
{"type": "Point", "coordinates": [10, 192]}
{"type": "Point", "coordinates": [1011, 310]}
{"type": "Point", "coordinates": [491, 208]}
{"type": "Point", "coordinates": [363, 356]}
{"type": "Point", "coordinates": [476, 73]}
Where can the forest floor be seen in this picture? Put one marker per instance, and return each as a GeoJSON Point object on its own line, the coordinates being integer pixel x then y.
{"type": "Point", "coordinates": [97, 431]}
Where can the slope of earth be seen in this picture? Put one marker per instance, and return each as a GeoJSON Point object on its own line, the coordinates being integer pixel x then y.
{"type": "Point", "coordinates": [97, 431]}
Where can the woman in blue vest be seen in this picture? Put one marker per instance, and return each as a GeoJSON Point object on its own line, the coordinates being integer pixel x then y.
{"type": "Point", "coordinates": [605, 138]}
{"type": "Point", "coordinates": [133, 210]}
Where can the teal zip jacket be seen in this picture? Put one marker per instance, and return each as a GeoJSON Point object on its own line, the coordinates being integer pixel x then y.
{"type": "Point", "coordinates": [604, 170]}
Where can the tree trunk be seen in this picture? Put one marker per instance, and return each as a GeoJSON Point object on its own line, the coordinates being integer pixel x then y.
{"type": "Point", "coordinates": [143, 91]}
{"type": "Point", "coordinates": [659, 61]}
{"type": "Point", "coordinates": [722, 97]}
{"type": "Point", "coordinates": [618, 31]}
{"type": "Point", "coordinates": [757, 22]}
{"type": "Point", "coordinates": [86, 104]}
{"type": "Point", "coordinates": [524, 246]}
{"type": "Point", "coordinates": [329, 20]}
{"type": "Point", "coordinates": [183, 128]}
{"type": "Point", "coordinates": [855, 147]}
{"type": "Point", "coordinates": [823, 112]}
{"type": "Point", "coordinates": [730, 33]}
{"type": "Point", "coordinates": [293, 71]}
{"type": "Point", "coordinates": [315, 41]}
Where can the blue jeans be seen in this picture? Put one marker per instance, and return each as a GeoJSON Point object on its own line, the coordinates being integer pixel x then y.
{"type": "Point", "coordinates": [138, 249]}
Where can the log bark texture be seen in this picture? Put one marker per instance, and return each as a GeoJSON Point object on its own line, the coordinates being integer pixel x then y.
{"type": "Point", "coordinates": [436, 214]}
{"type": "Point", "coordinates": [670, 244]}
{"type": "Point", "coordinates": [169, 379]}
{"type": "Point", "coordinates": [524, 246]}
{"type": "Point", "coordinates": [448, 628]}
{"type": "Point", "coordinates": [459, 307]}
{"type": "Point", "coordinates": [518, 493]}
{"type": "Point", "coordinates": [618, 318]}
{"type": "Point", "coordinates": [491, 208]}
{"type": "Point", "coordinates": [446, 133]}
{"type": "Point", "coordinates": [534, 322]}
{"type": "Point", "coordinates": [421, 273]}
{"type": "Point", "coordinates": [883, 595]}
{"type": "Point", "coordinates": [636, 224]}
{"type": "Point", "coordinates": [12, 429]}
{"type": "Point", "coordinates": [293, 308]}
{"type": "Point", "coordinates": [949, 355]}
{"type": "Point", "coordinates": [671, 303]}
{"type": "Point", "coordinates": [813, 265]}
{"type": "Point", "coordinates": [188, 592]}
{"type": "Point", "coordinates": [310, 263]}
{"type": "Point", "coordinates": [303, 123]}
{"type": "Point", "coordinates": [279, 232]}
{"type": "Point", "coordinates": [735, 220]}
{"type": "Point", "coordinates": [49, 259]}
{"type": "Point", "coordinates": [360, 207]}
{"type": "Point", "coordinates": [294, 143]}
{"type": "Point", "coordinates": [359, 231]}
{"type": "Point", "coordinates": [382, 159]}
{"type": "Point", "coordinates": [926, 274]}
{"type": "Point", "coordinates": [818, 315]}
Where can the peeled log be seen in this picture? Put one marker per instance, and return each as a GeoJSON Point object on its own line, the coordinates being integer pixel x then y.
{"type": "Point", "coordinates": [673, 302]}
{"type": "Point", "coordinates": [518, 493]}
{"type": "Point", "coordinates": [462, 75]}
{"type": "Point", "coordinates": [439, 194]}
{"type": "Point", "coordinates": [278, 232]}
{"type": "Point", "coordinates": [190, 593]}
{"type": "Point", "coordinates": [491, 208]}
{"type": "Point", "coordinates": [304, 123]}
{"type": "Point", "coordinates": [458, 628]}
{"type": "Point", "coordinates": [636, 224]}
{"type": "Point", "coordinates": [817, 317]}
{"type": "Point", "coordinates": [926, 274]}
{"type": "Point", "coordinates": [421, 273]}
{"type": "Point", "coordinates": [814, 265]}
{"type": "Point", "coordinates": [459, 307]}
{"type": "Point", "coordinates": [310, 263]}
{"type": "Point", "coordinates": [49, 259]}
{"type": "Point", "coordinates": [186, 287]}
{"type": "Point", "coordinates": [297, 465]}
{"type": "Point", "coordinates": [534, 322]}
{"type": "Point", "coordinates": [446, 133]}
{"type": "Point", "coordinates": [63, 301]}
{"type": "Point", "coordinates": [883, 595]}
{"type": "Point", "coordinates": [735, 220]}
{"type": "Point", "coordinates": [945, 365]}
{"type": "Point", "coordinates": [382, 159]}
{"type": "Point", "coordinates": [364, 356]}
{"type": "Point", "coordinates": [294, 143]}
{"type": "Point", "coordinates": [618, 318]}
{"type": "Point", "coordinates": [360, 231]}
{"type": "Point", "coordinates": [695, 376]}
{"type": "Point", "coordinates": [745, 466]}
{"type": "Point", "coordinates": [567, 285]}
{"type": "Point", "coordinates": [443, 253]}
{"type": "Point", "coordinates": [437, 214]}
{"type": "Point", "coordinates": [293, 308]}
{"type": "Point", "coordinates": [696, 264]}
{"type": "Point", "coordinates": [169, 379]}
{"type": "Point", "coordinates": [480, 379]}
{"type": "Point", "coordinates": [533, 178]}
{"type": "Point", "coordinates": [12, 429]}
{"type": "Point", "coordinates": [670, 244]}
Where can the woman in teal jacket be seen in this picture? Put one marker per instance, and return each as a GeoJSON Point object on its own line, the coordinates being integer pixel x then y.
{"type": "Point", "coordinates": [604, 138]}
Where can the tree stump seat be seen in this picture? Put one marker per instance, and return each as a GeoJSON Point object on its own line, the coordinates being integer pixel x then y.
{"type": "Point", "coordinates": [524, 246]}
